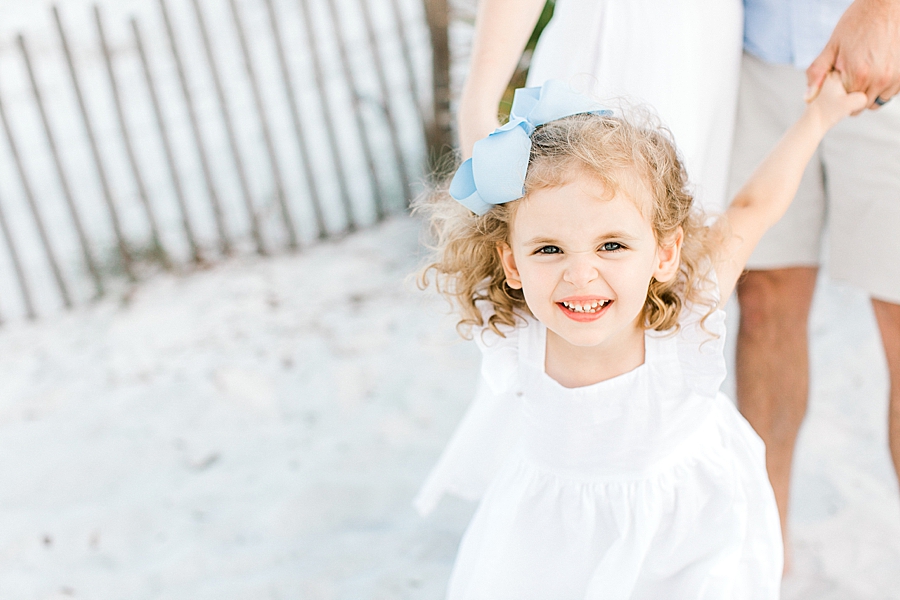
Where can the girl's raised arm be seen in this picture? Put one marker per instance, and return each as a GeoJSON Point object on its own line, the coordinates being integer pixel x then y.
{"type": "Point", "coordinates": [769, 191]}
{"type": "Point", "coordinates": [502, 28]}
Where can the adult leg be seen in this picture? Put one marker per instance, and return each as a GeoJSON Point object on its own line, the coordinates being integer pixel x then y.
{"type": "Point", "coordinates": [861, 158]}
{"type": "Point", "coordinates": [888, 317]}
{"type": "Point", "coordinates": [772, 365]}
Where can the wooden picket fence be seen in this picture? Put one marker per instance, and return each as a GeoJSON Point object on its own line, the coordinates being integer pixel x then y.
{"type": "Point", "coordinates": [205, 129]}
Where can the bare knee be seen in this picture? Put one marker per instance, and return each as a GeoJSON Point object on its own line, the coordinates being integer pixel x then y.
{"type": "Point", "coordinates": [775, 302]}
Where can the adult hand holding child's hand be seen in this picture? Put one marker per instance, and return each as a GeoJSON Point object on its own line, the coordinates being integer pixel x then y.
{"type": "Point", "coordinates": [833, 102]}
{"type": "Point", "coordinates": [865, 49]}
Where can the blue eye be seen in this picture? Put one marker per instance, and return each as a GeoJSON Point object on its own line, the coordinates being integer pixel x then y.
{"type": "Point", "coordinates": [548, 250]}
{"type": "Point", "coordinates": [611, 247]}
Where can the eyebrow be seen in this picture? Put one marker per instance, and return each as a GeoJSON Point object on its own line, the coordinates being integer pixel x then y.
{"type": "Point", "coordinates": [619, 235]}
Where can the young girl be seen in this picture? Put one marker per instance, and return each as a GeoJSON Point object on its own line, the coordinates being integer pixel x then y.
{"type": "Point", "coordinates": [613, 466]}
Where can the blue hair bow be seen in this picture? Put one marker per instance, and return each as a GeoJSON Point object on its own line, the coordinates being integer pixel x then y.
{"type": "Point", "coordinates": [496, 172]}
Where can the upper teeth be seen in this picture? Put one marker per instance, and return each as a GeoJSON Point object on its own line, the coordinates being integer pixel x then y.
{"type": "Point", "coordinates": [588, 308]}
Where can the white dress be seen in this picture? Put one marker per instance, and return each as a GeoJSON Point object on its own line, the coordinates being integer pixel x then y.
{"type": "Point", "coordinates": [645, 486]}
{"type": "Point", "coordinates": [680, 57]}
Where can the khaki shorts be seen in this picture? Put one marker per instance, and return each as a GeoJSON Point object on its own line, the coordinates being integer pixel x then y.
{"type": "Point", "coordinates": [851, 188]}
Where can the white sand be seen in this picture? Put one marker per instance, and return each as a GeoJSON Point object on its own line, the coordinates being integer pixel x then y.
{"type": "Point", "coordinates": [258, 430]}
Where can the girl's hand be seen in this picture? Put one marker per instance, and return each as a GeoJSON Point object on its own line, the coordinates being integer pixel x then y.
{"type": "Point", "coordinates": [769, 191]}
{"type": "Point", "coordinates": [865, 49]}
{"type": "Point", "coordinates": [833, 103]}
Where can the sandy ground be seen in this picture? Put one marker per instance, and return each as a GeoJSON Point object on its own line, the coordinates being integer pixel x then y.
{"type": "Point", "coordinates": [257, 430]}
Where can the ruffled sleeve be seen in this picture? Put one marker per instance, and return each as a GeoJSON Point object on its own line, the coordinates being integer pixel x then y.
{"type": "Point", "coordinates": [500, 354]}
{"type": "Point", "coordinates": [481, 443]}
{"type": "Point", "coordinates": [488, 431]}
{"type": "Point", "coordinates": [701, 348]}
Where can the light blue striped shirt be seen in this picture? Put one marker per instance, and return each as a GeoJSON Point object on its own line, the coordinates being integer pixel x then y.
{"type": "Point", "coordinates": [790, 31]}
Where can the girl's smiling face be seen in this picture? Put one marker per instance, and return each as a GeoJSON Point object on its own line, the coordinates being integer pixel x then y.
{"type": "Point", "coordinates": [584, 261]}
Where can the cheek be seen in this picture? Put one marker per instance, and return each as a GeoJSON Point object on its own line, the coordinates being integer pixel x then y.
{"type": "Point", "coordinates": [632, 286]}
{"type": "Point", "coordinates": [539, 282]}
{"type": "Point", "coordinates": [536, 276]}
{"type": "Point", "coordinates": [632, 281]}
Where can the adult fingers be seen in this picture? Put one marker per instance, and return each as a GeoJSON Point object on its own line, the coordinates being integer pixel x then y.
{"type": "Point", "coordinates": [879, 79]}
{"type": "Point", "coordinates": [858, 78]}
{"type": "Point", "coordinates": [876, 76]}
{"type": "Point", "coordinates": [857, 101]}
{"type": "Point", "coordinates": [885, 94]}
{"type": "Point", "coordinates": [818, 70]}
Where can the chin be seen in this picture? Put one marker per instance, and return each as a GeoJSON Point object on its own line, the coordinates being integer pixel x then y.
{"type": "Point", "coordinates": [582, 339]}
{"type": "Point", "coordinates": [588, 335]}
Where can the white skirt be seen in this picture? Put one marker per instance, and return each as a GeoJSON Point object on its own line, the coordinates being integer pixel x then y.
{"type": "Point", "coordinates": [681, 58]}
{"type": "Point", "coordinates": [702, 526]}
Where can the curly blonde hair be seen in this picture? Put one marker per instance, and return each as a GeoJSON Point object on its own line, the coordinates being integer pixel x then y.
{"type": "Point", "coordinates": [466, 264]}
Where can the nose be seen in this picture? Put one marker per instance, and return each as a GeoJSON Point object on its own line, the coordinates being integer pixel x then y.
{"type": "Point", "coordinates": [581, 269]}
